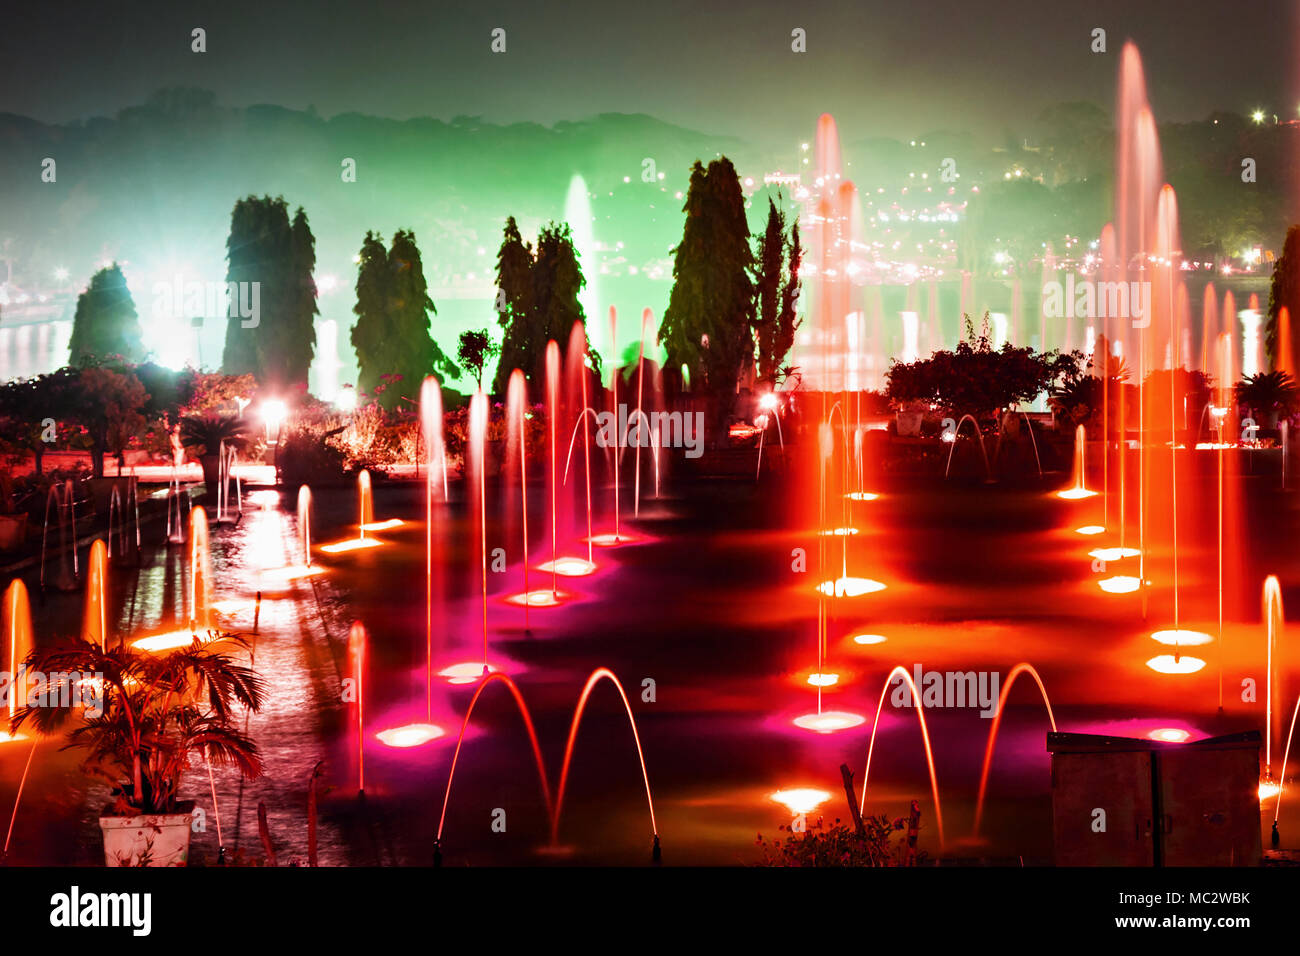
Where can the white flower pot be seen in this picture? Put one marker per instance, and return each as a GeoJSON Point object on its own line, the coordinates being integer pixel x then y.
{"type": "Point", "coordinates": [151, 839]}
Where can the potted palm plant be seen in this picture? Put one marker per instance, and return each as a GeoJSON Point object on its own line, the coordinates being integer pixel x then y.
{"type": "Point", "coordinates": [148, 719]}
{"type": "Point", "coordinates": [209, 433]}
{"type": "Point", "coordinates": [1269, 396]}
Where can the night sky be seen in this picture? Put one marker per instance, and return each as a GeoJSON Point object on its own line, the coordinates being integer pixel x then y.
{"type": "Point", "coordinates": [889, 69]}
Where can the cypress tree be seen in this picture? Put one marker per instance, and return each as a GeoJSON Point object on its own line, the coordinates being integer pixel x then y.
{"type": "Point", "coordinates": [106, 322]}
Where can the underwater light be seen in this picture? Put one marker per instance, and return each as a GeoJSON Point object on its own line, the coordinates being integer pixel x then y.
{"type": "Point", "coordinates": [800, 799]}
{"type": "Point", "coordinates": [1169, 664]}
{"type": "Point", "coordinates": [850, 587]}
{"type": "Point", "coordinates": [467, 673]}
{"type": "Point", "coordinates": [1181, 637]}
{"type": "Point", "coordinates": [542, 597]}
{"type": "Point", "coordinates": [569, 567]}
{"type": "Point", "coordinates": [1090, 529]}
{"type": "Point", "coordinates": [829, 721]}
{"type": "Point", "coordinates": [410, 735]}
{"type": "Point", "coordinates": [351, 544]}
{"type": "Point", "coordinates": [823, 680]}
{"type": "Point", "coordinates": [1120, 584]}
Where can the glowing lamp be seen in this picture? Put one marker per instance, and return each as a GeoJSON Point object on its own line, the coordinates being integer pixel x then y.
{"type": "Point", "coordinates": [829, 721]}
{"type": "Point", "coordinates": [768, 401]}
{"type": "Point", "coordinates": [410, 735]}
{"type": "Point", "coordinates": [800, 799]}
{"type": "Point", "coordinates": [1169, 735]}
{"type": "Point", "coordinates": [1268, 787]}
{"type": "Point", "coordinates": [823, 680]}
{"type": "Point", "coordinates": [869, 638]}
{"type": "Point", "coordinates": [1169, 664]}
{"type": "Point", "coordinates": [274, 412]}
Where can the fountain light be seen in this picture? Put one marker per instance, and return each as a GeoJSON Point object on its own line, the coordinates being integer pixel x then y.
{"type": "Point", "coordinates": [838, 532]}
{"type": "Point", "coordinates": [1113, 554]}
{"type": "Point", "coordinates": [410, 735]}
{"type": "Point", "coordinates": [467, 673]}
{"type": "Point", "coordinates": [1119, 584]}
{"type": "Point", "coordinates": [1169, 735]}
{"type": "Point", "coordinates": [8, 738]}
{"type": "Point", "coordinates": [383, 525]}
{"type": "Point", "coordinates": [1169, 664]}
{"type": "Point", "coordinates": [869, 638]}
{"type": "Point", "coordinates": [539, 597]}
{"type": "Point", "coordinates": [1075, 494]}
{"type": "Point", "coordinates": [1182, 638]}
{"type": "Point", "coordinates": [800, 800]}
{"type": "Point", "coordinates": [350, 544]}
{"type": "Point", "coordinates": [823, 680]}
{"type": "Point", "coordinates": [1268, 787]}
{"type": "Point", "coordinates": [862, 496]}
{"type": "Point", "coordinates": [169, 641]}
{"type": "Point", "coordinates": [569, 567]}
{"type": "Point", "coordinates": [1090, 529]}
{"type": "Point", "coordinates": [829, 721]}
{"type": "Point", "coordinates": [610, 540]}
{"type": "Point", "coordinates": [847, 586]}
{"type": "Point", "coordinates": [768, 401]}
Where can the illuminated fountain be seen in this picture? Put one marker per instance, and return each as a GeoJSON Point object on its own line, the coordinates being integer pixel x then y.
{"type": "Point", "coordinates": [955, 434]}
{"type": "Point", "coordinates": [1080, 488]}
{"type": "Point", "coordinates": [357, 639]}
{"type": "Point", "coordinates": [1273, 621]}
{"type": "Point", "coordinates": [925, 739]}
{"type": "Point", "coordinates": [1021, 668]}
{"type": "Point", "coordinates": [62, 499]}
{"type": "Point", "coordinates": [567, 566]}
{"type": "Point", "coordinates": [200, 586]}
{"type": "Point", "coordinates": [94, 621]}
{"type": "Point", "coordinates": [596, 676]}
{"type": "Point", "coordinates": [18, 645]}
{"type": "Point", "coordinates": [365, 522]}
{"type": "Point", "coordinates": [517, 444]}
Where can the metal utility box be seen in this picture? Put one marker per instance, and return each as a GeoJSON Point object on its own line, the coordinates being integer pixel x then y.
{"type": "Point", "coordinates": [1122, 801]}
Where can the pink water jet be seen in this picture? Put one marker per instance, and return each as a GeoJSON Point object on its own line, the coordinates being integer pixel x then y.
{"type": "Point", "coordinates": [1021, 668]}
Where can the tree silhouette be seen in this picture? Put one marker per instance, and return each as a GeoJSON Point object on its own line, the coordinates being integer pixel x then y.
{"type": "Point", "coordinates": [106, 323]}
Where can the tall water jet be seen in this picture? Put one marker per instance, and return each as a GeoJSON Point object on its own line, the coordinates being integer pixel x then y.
{"type": "Point", "coordinates": [200, 573]}
{"type": "Point", "coordinates": [478, 416]}
{"type": "Point", "coordinates": [94, 620]}
{"type": "Point", "coordinates": [581, 222]}
{"type": "Point", "coordinates": [18, 645]}
{"type": "Point", "coordinates": [304, 524]}
{"type": "Point", "coordinates": [435, 455]}
{"type": "Point", "coordinates": [1274, 621]}
{"type": "Point", "coordinates": [365, 503]}
{"type": "Point", "coordinates": [1080, 487]}
{"type": "Point", "coordinates": [356, 670]}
